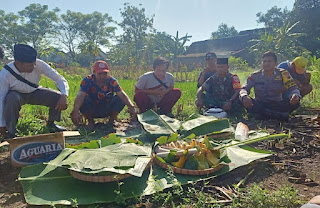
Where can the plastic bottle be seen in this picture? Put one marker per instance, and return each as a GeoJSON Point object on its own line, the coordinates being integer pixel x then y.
{"type": "Point", "coordinates": [242, 132]}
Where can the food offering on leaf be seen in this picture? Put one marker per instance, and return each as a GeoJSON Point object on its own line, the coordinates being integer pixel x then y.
{"type": "Point", "coordinates": [196, 157]}
{"type": "Point", "coordinates": [107, 159]}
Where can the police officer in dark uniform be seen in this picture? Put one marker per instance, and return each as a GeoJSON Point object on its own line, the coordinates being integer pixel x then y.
{"type": "Point", "coordinates": [269, 84]}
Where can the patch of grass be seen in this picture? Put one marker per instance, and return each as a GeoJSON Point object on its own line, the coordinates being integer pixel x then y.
{"type": "Point", "coordinates": [256, 196]}
{"type": "Point", "coordinates": [184, 107]}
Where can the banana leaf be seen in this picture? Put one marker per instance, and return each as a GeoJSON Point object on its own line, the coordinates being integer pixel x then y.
{"type": "Point", "coordinates": [110, 139]}
{"type": "Point", "coordinates": [118, 158]}
{"type": "Point", "coordinates": [255, 138]}
{"type": "Point", "coordinates": [93, 144]}
{"type": "Point", "coordinates": [61, 188]}
{"type": "Point", "coordinates": [156, 125]}
{"type": "Point", "coordinates": [203, 125]}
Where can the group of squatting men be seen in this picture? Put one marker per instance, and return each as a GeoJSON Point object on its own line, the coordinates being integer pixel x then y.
{"type": "Point", "coordinates": [278, 90]}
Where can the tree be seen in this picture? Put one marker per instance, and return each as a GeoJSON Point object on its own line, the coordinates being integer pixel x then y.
{"type": "Point", "coordinates": [38, 23]}
{"type": "Point", "coordinates": [179, 43]}
{"type": "Point", "coordinates": [224, 31]}
{"type": "Point", "coordinates": [287, 43]}
{"type": "Point", "coordinates": [274, 17]}
{"type": "Point", "coordinates": [160, 44]}
{"type": "Point", "coordinates": [283, 41]}
{"type": "Point", "coordinates": [11, 30]}
{"type": "Point", "coordinates": [95, 33]}
{"type": "Point", "coordinates": [306, 4]}
{"type": "Point", "coordinates": [135, 26]}
{"type": "Point", "coordinates": [69, 29]}
{"type": "Point", "coordinates": [307, 12]}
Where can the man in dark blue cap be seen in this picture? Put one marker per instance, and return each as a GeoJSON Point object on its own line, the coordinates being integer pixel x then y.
{"type": "Point", "coordinates": [19, 86]}
{"type": "Point", "coordinates": [209, 70]}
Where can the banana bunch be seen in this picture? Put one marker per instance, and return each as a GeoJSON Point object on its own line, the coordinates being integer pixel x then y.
{"type": "Point", "coordinates": [194, 156]}
{"type": "Point", "coordinates": [184, 145]}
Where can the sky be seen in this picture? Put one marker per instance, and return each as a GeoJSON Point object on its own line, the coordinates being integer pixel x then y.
{"type": "Point", "coordinates": [198, 18]}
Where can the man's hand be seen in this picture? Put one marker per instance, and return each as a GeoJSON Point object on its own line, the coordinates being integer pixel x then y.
{"type": "Point", "coordinates": [199, 103]}
{"type": "Point", "coordinates": [62, 103]}
{"type": "Point", "coordinates": [247, 102]}
{"type": "Point", "coordinates": [297, 82]}
{"type": "Point", "coordinates": [294, 99]}
{"type": "Point", "coordinates": [227, 106]}
{"type": "Point", "coordinates": [76, 117]}
{"type": "Point", "coordinates": [315, 200]}
{"type": "Point", "coordinates": [3, 131]}
{"type": "Point", "coordinates": [205, 70]}
{"type": "Point", "coordinates": [132, 112]}
{"type": "Point", "coordinates": [160, 92]}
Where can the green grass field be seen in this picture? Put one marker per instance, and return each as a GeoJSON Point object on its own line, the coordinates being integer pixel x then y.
{"type": "Point", "coordinates": [33, 117]}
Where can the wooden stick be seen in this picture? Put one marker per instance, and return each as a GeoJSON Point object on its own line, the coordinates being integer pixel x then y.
{"type": "Point", "coordinates": [221, 189]}
{"type": "Point", "coordinates": [245, 178]}
{"type": "Point", "coordinates": [219, 201]}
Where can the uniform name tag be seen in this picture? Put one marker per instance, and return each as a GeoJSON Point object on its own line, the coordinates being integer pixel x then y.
{"type": "Point", "coordinates": [235, 82]}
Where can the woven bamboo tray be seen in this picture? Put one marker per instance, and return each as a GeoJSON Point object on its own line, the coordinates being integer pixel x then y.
{"type": "Point", "coordinates": [103, 179]}
{"type": "Point", "coordinates": [188, 171]}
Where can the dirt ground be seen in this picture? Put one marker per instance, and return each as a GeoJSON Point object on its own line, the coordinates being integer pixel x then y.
{"type": "Point", "coordinates": [296, 162]}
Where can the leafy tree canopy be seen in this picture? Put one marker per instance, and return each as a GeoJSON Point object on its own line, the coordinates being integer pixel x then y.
{"type": "Point", "coordinates": [274, 17]}
{"type": "Point", "coordinates": [224, 31]}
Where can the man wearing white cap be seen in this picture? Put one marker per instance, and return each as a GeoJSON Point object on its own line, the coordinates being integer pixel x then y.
{"type": "Point", "coordinates": [297, 70]}
{"type": "Point", "coordinates": [19, 86]}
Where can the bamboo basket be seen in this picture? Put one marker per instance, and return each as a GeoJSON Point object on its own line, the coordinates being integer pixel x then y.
{"type": "Point", "coordinates": [188, 171]}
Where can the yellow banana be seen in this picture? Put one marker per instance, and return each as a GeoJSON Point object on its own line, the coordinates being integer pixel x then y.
{"type": "Point", "coordinates": [212, 159]}
{"type": "Point", "coordinates": [180, 162]}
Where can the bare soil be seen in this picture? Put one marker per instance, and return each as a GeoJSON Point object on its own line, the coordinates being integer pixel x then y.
{"type": "Point", "coordinates": [296, 163]}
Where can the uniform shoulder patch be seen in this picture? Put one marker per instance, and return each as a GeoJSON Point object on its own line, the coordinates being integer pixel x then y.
{"type": "Point", "coordinates": [236, 82]}
{"type": "Point", "coordinates": [255, 74]}
{"type": "Point", "coordinates": [287, 79]}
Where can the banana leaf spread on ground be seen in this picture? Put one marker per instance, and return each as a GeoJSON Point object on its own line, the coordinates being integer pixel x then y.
{"type": "Point", "coordinates": [186, 145]}
{"type": "Point", "coordinates": [112, 157]}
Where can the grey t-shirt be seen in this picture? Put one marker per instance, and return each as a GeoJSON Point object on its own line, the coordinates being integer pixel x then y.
{"type": "Point", "coordinates": [147, 81]}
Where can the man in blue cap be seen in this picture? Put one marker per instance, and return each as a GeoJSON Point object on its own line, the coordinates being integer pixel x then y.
{"type": "Point", "coordinates": [19, 86]}
{"type": "Point", "coordinates": [209, 70]}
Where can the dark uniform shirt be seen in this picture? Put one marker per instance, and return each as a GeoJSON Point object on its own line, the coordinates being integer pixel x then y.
{"type": "Point", "coordinates": [270, 88]}
{"type": "Point", "coordinates": [221, 89]}
{"type": "Point", "coordinates": [206, 76]}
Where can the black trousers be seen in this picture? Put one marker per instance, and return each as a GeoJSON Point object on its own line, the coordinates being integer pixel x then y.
{"type": "Point", "coordinates": [259, 107]}
{"type": "Point", "coordinates": [42, 96]}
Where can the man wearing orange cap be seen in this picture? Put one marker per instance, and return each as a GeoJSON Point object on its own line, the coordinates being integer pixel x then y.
{"type": "Point", "coordinates": [100, 96]}
{"type": "Point", "coordinates": [297, 70]}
